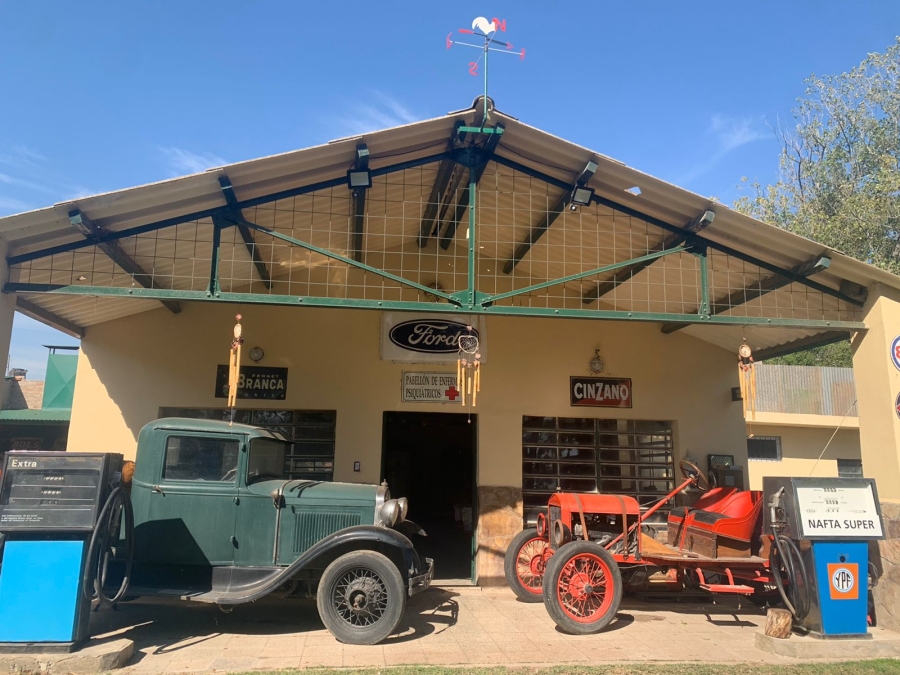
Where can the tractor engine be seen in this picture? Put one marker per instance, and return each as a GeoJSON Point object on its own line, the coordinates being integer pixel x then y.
{"type": "Point", "coordinates": [605, 517]}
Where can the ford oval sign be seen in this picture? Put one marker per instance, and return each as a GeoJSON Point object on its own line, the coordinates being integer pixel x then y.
{"type": "Point", "coordinates": [429, 336]}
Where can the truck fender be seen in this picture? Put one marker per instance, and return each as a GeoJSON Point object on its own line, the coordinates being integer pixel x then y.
{"type": "Point", "coordinates": [357, 533]}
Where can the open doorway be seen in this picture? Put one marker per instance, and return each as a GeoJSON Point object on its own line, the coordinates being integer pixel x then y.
{"type": "Point", "coordinates": [429, 458]}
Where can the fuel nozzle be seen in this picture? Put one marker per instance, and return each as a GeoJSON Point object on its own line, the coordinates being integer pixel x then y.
{"type": "Point", "coordinates": [776, 511]}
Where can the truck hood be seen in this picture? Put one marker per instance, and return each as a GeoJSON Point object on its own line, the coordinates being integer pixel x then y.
{"type": "Point", "coordinates": [300, 491]}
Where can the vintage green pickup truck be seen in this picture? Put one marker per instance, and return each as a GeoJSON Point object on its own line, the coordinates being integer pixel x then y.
{"type": "Point", "coordinates": [215, 520]}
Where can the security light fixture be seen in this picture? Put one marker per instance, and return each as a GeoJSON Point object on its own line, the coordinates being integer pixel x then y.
{"type": "Point", "coordinates": [359, 178]}
{"type": "Point", "coordinates": [581, 196]}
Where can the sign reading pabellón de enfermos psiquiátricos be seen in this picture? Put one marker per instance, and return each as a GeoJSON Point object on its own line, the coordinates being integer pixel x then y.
{"type": "Point", "coordinates": [430, 388]}
{"type": "Point", "coordinates": [254, 382]}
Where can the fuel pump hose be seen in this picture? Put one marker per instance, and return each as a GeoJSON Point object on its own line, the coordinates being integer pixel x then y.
{"type": "Point", "coordinates": [786, 554]}
{"type": "Point", "coordinates": [109, 527]}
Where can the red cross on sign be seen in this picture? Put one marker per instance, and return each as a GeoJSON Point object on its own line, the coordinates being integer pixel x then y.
{"type": "Point", "coordinates": [452, 393]}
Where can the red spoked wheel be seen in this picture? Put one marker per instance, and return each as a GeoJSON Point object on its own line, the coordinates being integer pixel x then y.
{"type": "Point", "coordinates": [582, 588]}
{"type": "Point", "coordinates": [524, 564]}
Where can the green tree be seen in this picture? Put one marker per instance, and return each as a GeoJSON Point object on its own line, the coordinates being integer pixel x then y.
{"type": "Point", "coordinates": [839, 178]}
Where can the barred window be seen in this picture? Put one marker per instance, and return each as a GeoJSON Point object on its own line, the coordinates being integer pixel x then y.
{"type": "Point", "coordinates": [764, 448]}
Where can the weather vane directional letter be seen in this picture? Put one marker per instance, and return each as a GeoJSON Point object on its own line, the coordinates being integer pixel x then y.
{"type": "Point", "coordinates": [487, 30]}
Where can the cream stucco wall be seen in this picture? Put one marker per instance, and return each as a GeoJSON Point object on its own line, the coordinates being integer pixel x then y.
{"type": "Point", "coordinates": [800, 448]}
{"type": "Point", "coordinates": [131, 367]}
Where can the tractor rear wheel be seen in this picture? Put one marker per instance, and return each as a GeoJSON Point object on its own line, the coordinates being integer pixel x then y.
{"type": "Point", "coordinates": [582, 588]}
{"type": "Point", "coordinates": [524, 564]}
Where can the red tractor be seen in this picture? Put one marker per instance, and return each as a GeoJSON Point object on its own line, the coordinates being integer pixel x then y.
{"type": "Point", "coordinates": [588, 547]}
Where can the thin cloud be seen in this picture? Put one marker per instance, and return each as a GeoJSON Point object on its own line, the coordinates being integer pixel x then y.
{"type": "Point", "coordinates": [724, 135]}
{"type": "Point", "coordinates": [28, 181]}
{"type": "Point", "coordinates": [20, 156]}
{"type": "Point", "coordinates": [183, 161]}
{"type": "Point", "coordinates": [382, 112]}
{"type": "Point", "coordinates": [10, 205]}
{"type": "Point", "coordinates": [732, 133]}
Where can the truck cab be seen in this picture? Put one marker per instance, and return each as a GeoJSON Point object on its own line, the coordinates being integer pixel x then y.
{"type": "Point", "coordinates": [216, 519]}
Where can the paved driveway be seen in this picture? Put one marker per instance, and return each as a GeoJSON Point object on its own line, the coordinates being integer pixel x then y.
{"type": "Point", "coordinates": [442, 626]}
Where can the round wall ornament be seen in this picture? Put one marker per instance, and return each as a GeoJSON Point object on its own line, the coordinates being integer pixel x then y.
{"type": "Point", "coordinates": [256, 354]}
{"type": "Point", "coordinates": [595, 365]}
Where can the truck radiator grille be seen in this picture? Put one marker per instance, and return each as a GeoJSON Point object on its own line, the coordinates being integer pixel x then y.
{"type": "Point", "coordinates": [311, 526]}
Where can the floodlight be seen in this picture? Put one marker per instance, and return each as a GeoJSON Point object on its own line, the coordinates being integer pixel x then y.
{"type": "Point", "coordinates": [582, 195]}
{"type": "Point", "coordinates": [359, 178]}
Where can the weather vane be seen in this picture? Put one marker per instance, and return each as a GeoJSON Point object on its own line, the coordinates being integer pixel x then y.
{"type": "Point", "coordinates": [487, 30]}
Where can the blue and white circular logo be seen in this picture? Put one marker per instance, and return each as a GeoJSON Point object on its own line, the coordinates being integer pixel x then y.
{"type": "Point", "coordinates": [895, 352]}
{"type": "Point", "coordinates": [843, 580]}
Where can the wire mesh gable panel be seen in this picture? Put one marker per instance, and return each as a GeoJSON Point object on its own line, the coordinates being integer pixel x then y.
{"type": "Point", "coordinates": [739, 288]}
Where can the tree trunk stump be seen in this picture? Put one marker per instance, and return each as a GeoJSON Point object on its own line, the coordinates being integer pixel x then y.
{"type": "Point", "coordinates": [778, 623]}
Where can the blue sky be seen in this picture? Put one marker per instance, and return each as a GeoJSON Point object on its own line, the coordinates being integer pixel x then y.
{"type": "Point", "coordinates": [105, 95]}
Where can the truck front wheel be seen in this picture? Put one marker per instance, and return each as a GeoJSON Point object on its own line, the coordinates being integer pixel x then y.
{"type": "Point", "coordinates": [361, 598]}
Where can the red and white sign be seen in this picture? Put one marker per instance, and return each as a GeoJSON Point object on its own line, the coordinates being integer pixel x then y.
{"type": "Point", "coordinates": [600, 392]}
{"type": "Point", "coordinates": [430, 388]}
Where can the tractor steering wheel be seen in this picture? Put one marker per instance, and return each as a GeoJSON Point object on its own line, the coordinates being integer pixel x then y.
{"type": "Point", "coordinates": [692, 471]}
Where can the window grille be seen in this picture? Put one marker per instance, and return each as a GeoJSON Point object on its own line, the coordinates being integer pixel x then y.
{"type": "Point", "coordinates": [628, 457]}
{"type": "Point", "coordinates": [850, 468]}
{"type": "Point", "coordinates": [764, 448]}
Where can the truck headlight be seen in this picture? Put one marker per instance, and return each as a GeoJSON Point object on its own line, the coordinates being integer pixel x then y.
{"type": "Point", "coordinates": [404, 507]}
{"type": "Point", "coordinates": [390, 512]}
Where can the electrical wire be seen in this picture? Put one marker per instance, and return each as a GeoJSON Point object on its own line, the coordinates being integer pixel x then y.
{"type": "Point", "coordinates": [822, 454]}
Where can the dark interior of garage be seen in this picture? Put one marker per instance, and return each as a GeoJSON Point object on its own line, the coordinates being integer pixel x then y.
{"type": "Point", "coordinates": [429, 458]}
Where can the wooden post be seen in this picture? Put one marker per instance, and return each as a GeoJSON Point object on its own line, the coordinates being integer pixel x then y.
{"type": "Point", "coordinates": [778, 623]}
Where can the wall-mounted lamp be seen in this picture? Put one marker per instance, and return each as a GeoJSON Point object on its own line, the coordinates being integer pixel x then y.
{"type": "Point", "coordinates": [581, 196]}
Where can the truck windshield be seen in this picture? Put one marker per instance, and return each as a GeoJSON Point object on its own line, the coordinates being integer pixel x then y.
{"type": "Point", "coordinates": [266, 459]}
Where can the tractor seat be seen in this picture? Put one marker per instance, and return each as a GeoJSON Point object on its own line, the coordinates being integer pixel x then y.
{"type": "Point", "coordinates": [735, 517]}
{"type": "Point", "coordinates": [711, 499]}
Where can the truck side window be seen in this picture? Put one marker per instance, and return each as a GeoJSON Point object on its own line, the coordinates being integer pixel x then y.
{"type": "Point", "coordinates": [201, 459]}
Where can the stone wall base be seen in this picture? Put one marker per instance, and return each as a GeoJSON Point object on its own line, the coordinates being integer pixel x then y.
{"type": "Point", "coordinates": [499, 520]}
{"type": "Point", "coordinates": [886, 558]}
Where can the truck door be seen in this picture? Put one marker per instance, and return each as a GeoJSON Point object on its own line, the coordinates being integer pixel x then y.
{"type": "Point", "coordinates": [194, 505]}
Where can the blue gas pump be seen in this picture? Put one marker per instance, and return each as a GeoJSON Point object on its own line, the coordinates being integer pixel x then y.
{"type": "Point", "coordinates": [821, 530]}
{"type": "Point", "coordinates": [59, 513]}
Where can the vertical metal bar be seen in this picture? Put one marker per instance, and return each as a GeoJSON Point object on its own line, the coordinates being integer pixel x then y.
{"type": "Point", "coordinates": [704, 283]}
{"type": "Point", "coordinates": [214, 288]}
{"type": "Point", "coordinates": [473, 183]}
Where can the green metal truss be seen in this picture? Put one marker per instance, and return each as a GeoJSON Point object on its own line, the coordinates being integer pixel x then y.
{"type": "Point", "coordinates": [469, 300]}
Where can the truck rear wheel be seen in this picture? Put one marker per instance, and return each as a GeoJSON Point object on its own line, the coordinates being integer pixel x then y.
{"type": "Point", "coordinates": [361, 598]}
{"type": "Point", "coordinates": [582, 588]}
{"type": "Point", "coordinates": [524, 564]}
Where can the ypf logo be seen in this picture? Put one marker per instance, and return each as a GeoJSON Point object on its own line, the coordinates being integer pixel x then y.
{"type": "Point", "coordinates": [843, 581]}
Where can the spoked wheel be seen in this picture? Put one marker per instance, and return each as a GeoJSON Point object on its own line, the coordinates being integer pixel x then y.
{"type": "Point", "coordinates": [524, 564]}
{"type": "Point", "coordinates": [361, 598]}
{"type": "Point", "coordinates": [582, 588]}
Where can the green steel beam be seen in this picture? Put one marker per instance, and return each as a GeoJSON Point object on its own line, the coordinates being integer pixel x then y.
{"type": "Point", "coordinates": [47, 317]}
{"type": "Point", "coordinates": [244, 231]}
{"type": "Point", "coordinates": [472, 237]}
{"type": "Point", "coordinates": [214, 288]}
{"type": "Point", "coordinates": [704, 282]}
{"type": "Point", "coordinates": [817, 340]}
{"type": "Point", "coordinates": [490, 299]}
{"type": "Point", "coordinates": [351, 262]}
{"type": "Point", "coordinates": [497, 130]}
{"type": "Point", "coordinates": [501, 310]}
{"type": "Point", "coordinates": [812, 266]}
{"type": "Point", "coordinates": [477, 161]}
{"type": "Point", "coordinates": [549, 218]}
{"type": "Point", "coordinates": [93, 233]}
{"type": "Point", "coordinates": [625, 274]}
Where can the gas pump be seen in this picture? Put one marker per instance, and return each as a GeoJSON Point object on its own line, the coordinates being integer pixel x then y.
{"type": "Point", "coordinates": [821, 530]}
{"type": "Point", "coordinates": [61, 515]}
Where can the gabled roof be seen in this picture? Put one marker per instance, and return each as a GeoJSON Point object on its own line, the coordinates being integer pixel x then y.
{"type": "Point", "coordinates": [526, 152]}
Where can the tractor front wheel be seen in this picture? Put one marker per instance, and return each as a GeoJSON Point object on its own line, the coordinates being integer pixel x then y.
{"type": "Point", "coordinates": [582, 588]}
{"type": "Point", "coordinates": [524, 564]}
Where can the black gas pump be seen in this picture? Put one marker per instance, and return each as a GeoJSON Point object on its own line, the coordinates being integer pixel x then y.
{"type": "Point", "coordinates": [61, 516]}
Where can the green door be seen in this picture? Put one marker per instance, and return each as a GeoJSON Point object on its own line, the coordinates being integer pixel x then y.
{"type": "Point", "coordinates": [194, 506]}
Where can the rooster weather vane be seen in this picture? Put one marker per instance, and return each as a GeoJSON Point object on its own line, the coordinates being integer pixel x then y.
{"type": "Point", "coordinates": [487, 31]}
